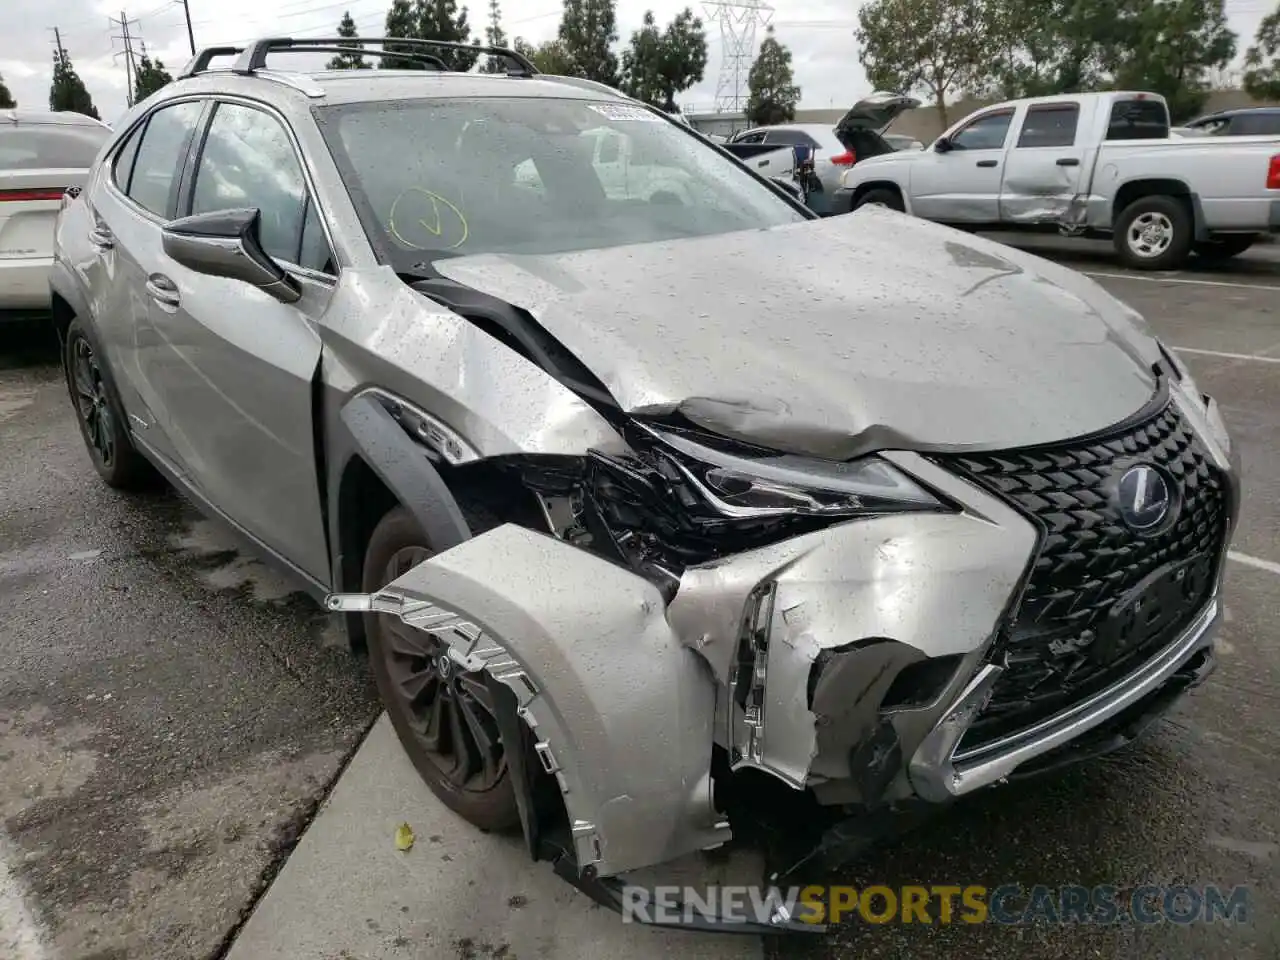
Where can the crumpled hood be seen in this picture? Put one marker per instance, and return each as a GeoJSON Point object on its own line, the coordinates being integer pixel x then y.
{"type": "Point", "coordinates": [872, 330]}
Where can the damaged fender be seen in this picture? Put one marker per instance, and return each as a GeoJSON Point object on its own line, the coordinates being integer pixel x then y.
{"type": "Point", "coordinates": [621, 711]}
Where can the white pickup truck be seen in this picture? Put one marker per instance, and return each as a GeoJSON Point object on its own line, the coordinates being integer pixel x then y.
{"type": "Point", "coordinates": [1092, 165]}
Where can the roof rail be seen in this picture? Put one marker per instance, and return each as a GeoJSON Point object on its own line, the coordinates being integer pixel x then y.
{"type": "Point", "coordinates": [200, 62]}
{"type": "Point", "coordinates": [254, 57]}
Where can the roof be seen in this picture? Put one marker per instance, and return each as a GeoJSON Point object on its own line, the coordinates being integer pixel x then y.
{"type": "Point", "coordinates": [62, 117]}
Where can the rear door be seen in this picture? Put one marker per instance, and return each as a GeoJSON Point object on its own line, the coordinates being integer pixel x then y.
{"type": "Point", "coordinates": [38, 162]}
{"type": "Point", "coordinates": [132, 198]}
{"type": "Point", "coordinates": [1043, 169]}
{"type": "Point", "coordinates": [234, 365]}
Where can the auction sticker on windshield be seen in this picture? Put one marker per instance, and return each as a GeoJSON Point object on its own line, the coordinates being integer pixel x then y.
{"type": "Point", "coordinates": [621, 111]}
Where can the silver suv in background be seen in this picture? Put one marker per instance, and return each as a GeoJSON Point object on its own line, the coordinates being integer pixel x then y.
{"type": "Point", "coordinates": [41, 156]}
{"type": "Point", "coordinates": [630, 502]}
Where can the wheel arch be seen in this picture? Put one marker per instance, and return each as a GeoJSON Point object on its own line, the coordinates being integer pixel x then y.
{"type": "Point", "coordinates": [1134, 190]}
{"type": "Point", "coordinates": [862, 189]}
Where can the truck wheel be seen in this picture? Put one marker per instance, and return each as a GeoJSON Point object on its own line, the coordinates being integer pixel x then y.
{"type": "Point", "coordinates": [884, 197]}
{"type": "Point", "coordinates": [1224, 248]}
{"type": "Point", "coordinates": [1154, 233]}
{"type": "Point", "coordinates": [441, 713]}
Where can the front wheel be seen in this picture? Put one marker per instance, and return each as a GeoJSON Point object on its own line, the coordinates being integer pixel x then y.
{"type": "Point", "coordinates": [443, 715]}
{"type": "Point", "coordinates": [881, 197]}
{"type": "Point", "coordinates": [1154, 233]}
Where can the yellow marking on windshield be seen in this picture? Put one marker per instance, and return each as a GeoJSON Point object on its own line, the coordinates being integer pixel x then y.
{"type": "Point", "coordinates": [435, 228]}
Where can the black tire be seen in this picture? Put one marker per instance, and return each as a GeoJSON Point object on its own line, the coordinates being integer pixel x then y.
{"type": "Point", "coordinates": [1224, 248]}
{"type": "Point", "coordinates": [99, 415]}
{"type": "Point", "coordinates": [1154, 233]}
{"type": "Point", "coordinates": [882, 196]}
{"type": "Point", "coordinates": [424, 720]}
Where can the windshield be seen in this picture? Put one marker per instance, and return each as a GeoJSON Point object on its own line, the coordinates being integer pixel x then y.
{"type": "Point", "coordinates": [435, 178]}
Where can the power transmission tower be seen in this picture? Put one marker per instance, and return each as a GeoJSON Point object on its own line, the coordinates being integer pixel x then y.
{"type": "Point", "coordinates": [738, 21]}
{"type": "Point", "coordinates": [130, 68]}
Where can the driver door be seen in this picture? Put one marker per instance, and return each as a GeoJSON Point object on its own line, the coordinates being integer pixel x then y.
{"type": "Point", "coordinates": [962, 184]}
{"type": "Point", "coordinates": [235, 364]}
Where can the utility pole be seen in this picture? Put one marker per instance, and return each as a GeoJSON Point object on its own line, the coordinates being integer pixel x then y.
{"type": "Point", "coordinates": [191, 37]}
{"type": "Point", "coordinates": [130, 67]}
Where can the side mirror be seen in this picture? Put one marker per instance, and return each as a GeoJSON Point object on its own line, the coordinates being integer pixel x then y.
{"type": "Point", "coordinates": [942, 145]}
{"type": "Point", "coordinates": [227, 243]}
{"type": "Point", "coordinates": [790, 186]}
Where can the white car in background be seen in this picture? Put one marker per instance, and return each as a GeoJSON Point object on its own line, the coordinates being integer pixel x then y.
{"type": "Point", "coordinates": [42, 154]}
{"type": "Point", "coordinates": [858, 135]}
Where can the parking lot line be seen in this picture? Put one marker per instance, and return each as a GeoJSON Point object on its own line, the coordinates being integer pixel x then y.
{"type": "Point", "coordinates": [1228, 356]}
{"type": "Point", "coordinates": [1167, 279]}
{"type": "Point", "coordinates": [1256, 562]}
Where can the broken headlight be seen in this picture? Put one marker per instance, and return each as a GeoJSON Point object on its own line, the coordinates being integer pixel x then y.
{"type": "Point", "coordinates": [760, 484]}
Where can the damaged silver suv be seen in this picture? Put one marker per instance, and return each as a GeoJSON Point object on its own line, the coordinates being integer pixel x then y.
{"type": "Point", "coordinates": [637, 479]}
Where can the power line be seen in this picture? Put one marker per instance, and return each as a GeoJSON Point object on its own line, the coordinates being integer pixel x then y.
{"type": "Point", "coordinates": [738, 21]}
{"type": "Point", "coordinates": [130, 68]}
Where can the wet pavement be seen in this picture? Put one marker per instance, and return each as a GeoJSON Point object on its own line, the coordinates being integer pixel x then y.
{"type": "Point", "coordinates": [171, 714]}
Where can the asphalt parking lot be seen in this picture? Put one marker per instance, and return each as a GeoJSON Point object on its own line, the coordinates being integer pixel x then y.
{"type": "Point", "coordinates": [171, 713]}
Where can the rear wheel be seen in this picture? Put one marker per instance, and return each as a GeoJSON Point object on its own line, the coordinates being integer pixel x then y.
{"type": "Point", "coordinates": [1154, 233]}
{"type": "Point", "coordinates": [881, 197]}
{"type": "Point", "coordinates": [1224, 248]}
{"type": "Point", "coordinates": [442, 714]}
{"type": "Point", "coordinates": [101, 421]}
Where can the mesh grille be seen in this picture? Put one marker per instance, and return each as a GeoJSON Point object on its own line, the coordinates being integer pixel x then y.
{"type": "Point", "coordinates": [1101, 598]}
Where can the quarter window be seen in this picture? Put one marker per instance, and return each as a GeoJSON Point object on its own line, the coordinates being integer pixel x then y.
{"type": "Point", "coordinates": [153, 184]}
{"type": "Point", "coordinates": [985, 133]}
{"type": "Point", "coordinates": [249, 161]}
{"type": "Point", "coordinates": [1050, 125]}
{"type": "Point", "coordinates": [1255, 124]}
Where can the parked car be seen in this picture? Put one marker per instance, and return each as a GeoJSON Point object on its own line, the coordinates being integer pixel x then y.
{"type": "Point", "coordinates": [1091, 165]}
{"type": "Point", "coordinates": [901, 141]}
{"type": "Point", "coordinates": [1243, 122]}
{"type": "Point", "coordinates": [42, 154]}
{"type": "Point", "coordinates": [629, 500]}
{"type": "Point", "coordinates": [835, 149]}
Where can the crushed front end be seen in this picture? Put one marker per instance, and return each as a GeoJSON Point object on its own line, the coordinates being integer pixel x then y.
{"type": "Point", "coordinates": [904, 627]}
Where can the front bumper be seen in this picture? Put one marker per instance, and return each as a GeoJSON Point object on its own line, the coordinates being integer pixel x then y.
{"type": "Point", "coordinates": [851, 664]}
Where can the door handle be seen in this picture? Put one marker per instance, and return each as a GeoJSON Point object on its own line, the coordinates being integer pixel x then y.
{"type": "Point", "coordinates": [988, 163]}
{"type": "Point", "coordinates": [163, 291]}
{"type": "Point", "coordinates": [101, 238]}
{"type": "Point", "coordinates": [1068, 161]}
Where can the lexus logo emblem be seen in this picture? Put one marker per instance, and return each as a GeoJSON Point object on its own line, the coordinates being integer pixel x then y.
{"type": "Point", "coordinates": [1144, 497]}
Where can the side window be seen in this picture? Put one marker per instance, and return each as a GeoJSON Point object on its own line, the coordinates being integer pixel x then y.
{"type": "Point", "coordinates": [160, 156]}
{"type": "Point", "coordinates": [1050, 125]}
{"type": "Point", "coordinates": [314, 254]}
{"type": "Point", "coordinates": [750, 138]}
{"type": "Point", "coordinates": [985, 133]}
{"type": "Point", "coordinates": [122, 167]}
{"type": "Point", "coordinates": [796, 138]}
{"type": "Point", "coordinates": [1255, 124]}
{"type": "Point", "coordinates": [1138, 120]}
{"type": "Point", "coordinates": [249, 161]}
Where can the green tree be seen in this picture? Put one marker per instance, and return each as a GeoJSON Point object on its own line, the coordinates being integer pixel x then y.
{"type": "Point", "coordinates": [588, 30]}
{"type": "Point", "coordinates": [442, 20]}
{"type": "Point", "coordinates": [549, 57]}
{"type": "Point", "coordinates": [658, 65]}
{"type": "Point", "coordinates": [6, 98]}
{"type": "Point", "coordinates": [1262, 62]}
{"type": "Point", "coordinates": [495, 36]}
{"type": "Point", "coordinates": [348, 61]}
{"type": "Point", "coordinates": [771, 91]}
{"type": "Point", "coordinates": [149, 77]}
{"type": "Point", "coordinates": [400, 22]}
{"type": "Point", "coordinates": [1174, 49]}
{"type": "Point", "coordinates": [935, 47]}
{"type": "Point", "coordinates": [67, 92]}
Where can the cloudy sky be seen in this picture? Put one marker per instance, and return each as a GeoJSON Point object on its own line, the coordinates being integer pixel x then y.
{"type": "Point", "coordinates": [819, 32]}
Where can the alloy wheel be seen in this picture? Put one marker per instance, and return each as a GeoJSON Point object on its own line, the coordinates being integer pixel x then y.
{"type": "Point", "coordinates": [1150, 234]}
{"type": "Point", "coordinates": [91, 402]}
{"type": "Point", "coordinates": [448, 708]}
